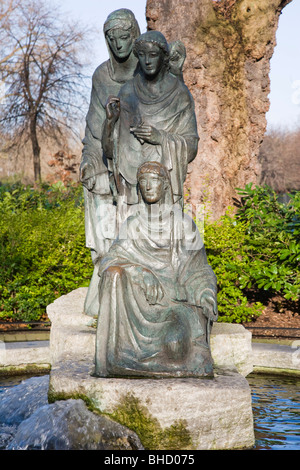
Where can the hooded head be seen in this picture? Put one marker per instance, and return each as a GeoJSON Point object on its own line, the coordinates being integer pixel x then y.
{"type": "Point", "coordinates": [120, 30]}
{"type": "Point", "coordinates": [155, 37]}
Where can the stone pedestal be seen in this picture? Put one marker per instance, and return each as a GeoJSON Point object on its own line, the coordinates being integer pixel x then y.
{"type": "Point", "coordinates": [165, 413]}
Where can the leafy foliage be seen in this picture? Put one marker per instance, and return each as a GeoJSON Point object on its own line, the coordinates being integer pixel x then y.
{"type": "Point", "coordinates": [273, 241]}
{"type": "Point", "coordinates": [256, 249]}
{"type": "Point", "coordinates": [225, 242]}
{"type": "Point", "coordinates": [42, 248]}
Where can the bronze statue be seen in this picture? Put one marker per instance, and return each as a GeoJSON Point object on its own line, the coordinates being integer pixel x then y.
{"type": "Point", "coordinates": [152, 118]}
{"type": "Point", "coordinates": [120, 30]}
{"type": "Point", "coordinates": [152, 288]}
{"type": "Point", "coordinates": [157, 293]}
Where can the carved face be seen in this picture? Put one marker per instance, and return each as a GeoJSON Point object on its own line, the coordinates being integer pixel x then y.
{"type": "Point", "coordinates": [177, 57]}
{"type": "Point", "coordinates": [120, 42]}
{"type": "Point", "coordinates": [152, 187]}
{"type": "Point", "coordinates": [151, 59]}
{"type": "Point", "coordinates": [176, 62]}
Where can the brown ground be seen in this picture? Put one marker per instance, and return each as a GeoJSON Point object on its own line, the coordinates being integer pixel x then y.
{"type": "Point", "coordinates": [9, 325]}
{"type": "Point", "coordinates": [280, 319]}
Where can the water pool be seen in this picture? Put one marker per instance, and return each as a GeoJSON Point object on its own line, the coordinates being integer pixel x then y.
{"type": "Point", "coordinates": [276, 411]}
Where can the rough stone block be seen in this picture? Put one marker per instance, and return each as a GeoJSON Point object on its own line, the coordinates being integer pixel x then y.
{"type": "Point", "coordinates": [180, 413]}
{"type": "Point", "coordinates": [202, 413]}
{"type": "Point", "coordinates": [231, 347]}
{"type": "Point", "coordinates": [276, 357]}
{"type": "Point", "coordinates": [16, 354]}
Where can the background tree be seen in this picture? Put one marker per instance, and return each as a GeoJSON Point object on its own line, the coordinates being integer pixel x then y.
{"type": "Point", "coordinates": [229, 44]}
{"type": "Point", "coordinates": [279, 156]}
{"type": "Point", "coordinates": [42, 67]}
{"type": "Point", "coordinates": [7, 8]}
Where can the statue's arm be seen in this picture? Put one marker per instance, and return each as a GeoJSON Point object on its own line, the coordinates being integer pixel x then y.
{"type": "Point", "coordinates": [147, 282]}
{"type": "Point", "coordinates": [112, 109]}
{"type": "Point", "coordinates": [208, 303]}
{"type": "Point", "coordinates": [192, 147]}
{"type": "Point", "coordinates": [200, 283]}
{"type": "Point", "coordinates": [147, 133]}
{"type": "Point", "coordinates": [205, 297]}
{"type": "Point", "coordinates": [186, 129]}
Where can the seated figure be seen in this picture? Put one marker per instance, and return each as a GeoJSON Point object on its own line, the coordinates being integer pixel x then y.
{"type": "Point", "coordinates": [157, 293]}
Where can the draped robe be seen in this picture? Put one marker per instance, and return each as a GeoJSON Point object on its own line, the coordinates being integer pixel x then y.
{"type": "Point", "coordinates": [107, 80]}
{"type": "Point", "coordinates": [103, 85]}
{"type": "Point", "coordinates": [100, 229]}
{"type": "Point", "coordinates": [135, 338]}
{"type": "Point", "coordinates": [171, 111]}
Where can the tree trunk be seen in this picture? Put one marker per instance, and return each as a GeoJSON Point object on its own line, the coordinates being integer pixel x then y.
{"type": "Point", "coordinates": [36, 150]}
{"type": "Point", "coordinates": [229, 44]}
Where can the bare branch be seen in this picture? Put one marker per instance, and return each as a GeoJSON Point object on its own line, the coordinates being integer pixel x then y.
{"type": "Point", "coordinates": [43, 69]}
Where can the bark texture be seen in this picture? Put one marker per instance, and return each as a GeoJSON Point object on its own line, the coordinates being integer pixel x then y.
{"type": "Point", "coordinates": [229, 45]}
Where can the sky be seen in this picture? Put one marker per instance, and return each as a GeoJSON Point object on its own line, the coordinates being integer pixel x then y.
{"type": "Point", "coordinates": [284, 97]}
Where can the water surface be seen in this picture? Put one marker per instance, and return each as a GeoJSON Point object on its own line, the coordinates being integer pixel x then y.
{"type": "Point", "coordinates": [276, 411]}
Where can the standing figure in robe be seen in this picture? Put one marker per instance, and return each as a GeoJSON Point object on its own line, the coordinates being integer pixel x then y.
{"type": "Point", "coordinates": [157, 293]}
{"type": "Point", "coordinates": [152, 119]}
{"type": "Point", "coordinates": [120, 30]}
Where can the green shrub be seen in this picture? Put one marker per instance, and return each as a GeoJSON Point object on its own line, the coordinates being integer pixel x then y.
{"type": "Point", "coordinates": [227, 254]}
{"type": "Point", "coordinates": [272, 241]}
{"type": "Point", "coordinates": [42, 248]}
{"type": "Point", "coordinates": [255, 250]}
